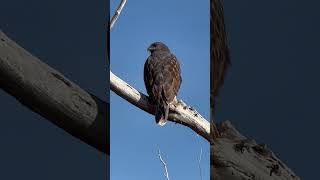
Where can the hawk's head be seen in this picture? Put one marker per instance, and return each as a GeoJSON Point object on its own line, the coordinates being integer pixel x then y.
{"type": "Point", "coordinates": [158, 46]}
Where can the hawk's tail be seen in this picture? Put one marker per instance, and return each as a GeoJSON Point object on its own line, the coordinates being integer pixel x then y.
{"type": "Point", "coordinates": [162, 112]}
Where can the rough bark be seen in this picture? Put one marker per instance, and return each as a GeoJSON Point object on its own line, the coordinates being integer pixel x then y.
{"type": "Point", "coordinates": [48, 93]}
{"type": "Point", "coordinates": [235, 157]}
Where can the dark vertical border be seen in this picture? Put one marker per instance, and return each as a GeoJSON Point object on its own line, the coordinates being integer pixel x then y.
{"type": "Point", "coordinates": [219, 64]}
{"type": "Point", "coordinates": [108, 71]}
{"type": "Point", "coordinates": [108, 82]}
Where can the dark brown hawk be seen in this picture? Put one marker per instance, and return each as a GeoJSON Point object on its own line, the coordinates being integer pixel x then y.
{"type": "Point", "coordinates": [162, 79]}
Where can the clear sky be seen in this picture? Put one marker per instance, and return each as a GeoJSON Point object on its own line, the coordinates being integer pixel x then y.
{"type": "Point", "coordinates": [70, 37]}
{"type": "Point", "coordinates": [135, 137]}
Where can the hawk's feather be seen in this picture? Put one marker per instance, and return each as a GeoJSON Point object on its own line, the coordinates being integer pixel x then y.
{"type": "Point", "coordinates": [162, 79]}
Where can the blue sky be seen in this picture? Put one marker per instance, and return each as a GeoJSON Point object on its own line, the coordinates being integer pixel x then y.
{"type": "Point", "coordinates": [135, 137]}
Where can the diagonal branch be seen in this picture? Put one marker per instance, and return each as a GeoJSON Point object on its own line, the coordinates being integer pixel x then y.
{"type": "Point", "coordinates": [47, 92]}
{"type": "Point", "coordinates": [237, 157]}
{"type": "Point", "coordinates": [117, 13]}
{"type": "Point", "coordinates": [179, 113]}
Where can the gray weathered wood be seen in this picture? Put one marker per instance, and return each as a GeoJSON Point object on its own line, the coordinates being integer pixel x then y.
{"type": "Point", "coordinates": [235, 157]}
{"type": "Point", "coordinates": [53, 96]}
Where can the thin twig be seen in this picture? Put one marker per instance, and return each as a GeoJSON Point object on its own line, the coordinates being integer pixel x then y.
{"type": "Point", "coordinates": [117, 13]}
{"type": "Point", "coordinates": [166, 174]}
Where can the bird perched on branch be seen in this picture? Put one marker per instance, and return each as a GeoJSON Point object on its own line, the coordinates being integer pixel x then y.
{"type": "Point", "coordinates": [162, 78]}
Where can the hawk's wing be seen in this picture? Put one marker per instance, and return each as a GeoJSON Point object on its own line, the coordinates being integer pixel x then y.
{"type": "Point", "coordinates": [172, 78]}
{"type": "Point", "coordinates": [162, 77]}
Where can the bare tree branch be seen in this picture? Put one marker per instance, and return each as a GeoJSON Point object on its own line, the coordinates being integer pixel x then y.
{"type": "Point", "coordinates": [166, 174]}
{"type": "Point", "coordinates": [236, 157]}
{"type": "Point", "coordinates": [179, 113]}
{"type": "Point", "coordinates": [48, 93]}
{"type": "Point", "coordinates": [117, 13]}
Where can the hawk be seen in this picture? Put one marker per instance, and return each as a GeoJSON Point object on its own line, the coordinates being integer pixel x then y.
{"type": "Point", "coordinates": [162, 78]}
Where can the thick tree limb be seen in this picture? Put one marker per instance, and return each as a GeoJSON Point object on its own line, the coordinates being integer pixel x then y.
{"type": "Point", "coordinates": [179, 112]}
{"type": "Point", "coordinates": [236, 157]}
{"type": "Point", "coordinates": [50, 94]}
